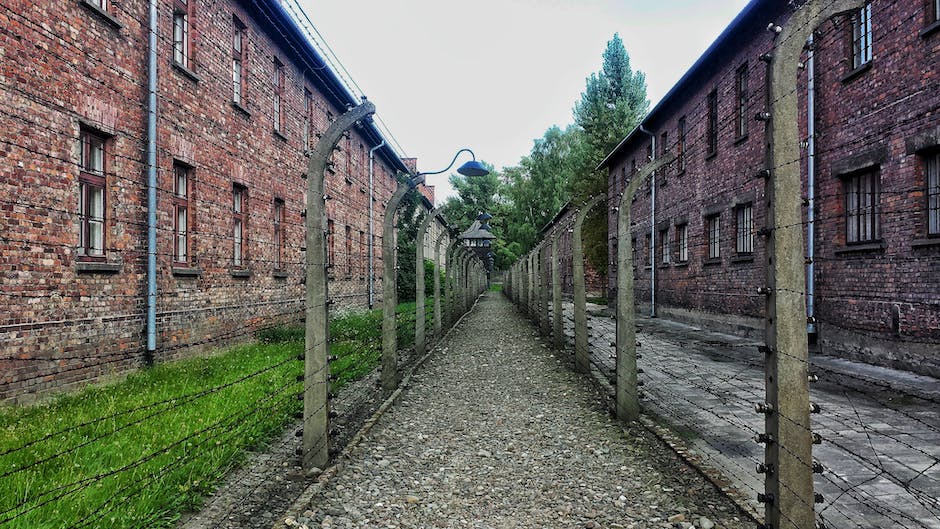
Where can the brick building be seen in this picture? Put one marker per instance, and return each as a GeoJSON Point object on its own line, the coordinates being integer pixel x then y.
{"type": "Point", "coordinates": [240, 95]}
{"type": "Point", "coordinates": [594, 282]}
{"type": "Point", "coordinates": [876, 157]}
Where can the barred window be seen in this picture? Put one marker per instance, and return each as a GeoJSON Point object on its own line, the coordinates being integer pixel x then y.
{"type": "Point", "coordinates": [91, 194]}
{"type": "Point", "coordinates": [682, 242]}
{"type": "Point", "coordinates": [680, 144]}
{"type": "Point", "coordinates": [330, 246]}
{"type": "Point", "coordinates": [712, 132]}
{"type": "Point", "coordinates": [862, 207]}
{"type": "Point", "coordinates": [182, 50]}
{"type": "Point", "coordinates": [181, 220]}
{"type": "Point", "coordinates": [713, 236]}
{"type": "Point", "coordinates": [740, 102]}
{"type": "Point", "coordinates": [308, 108]}
{"type": "Point", "coordinates": [349, 252]}
{"type": "Point", "coordinates": [664, 245]}
{"type": "Point", "coordinates": [933, 194]}
{"type": "Point", "coordinates": [278, 96]}
{"type": "Point", "coordinates": [239, 49]}
{"type": "Point", "coordinates": [744, 229]}
{"type": "Point", "coordinates": [278, 234]}
{"type": "Point", "coordinates": [861, 37]}
{"type": "Point", "coordinates": [239, 224]}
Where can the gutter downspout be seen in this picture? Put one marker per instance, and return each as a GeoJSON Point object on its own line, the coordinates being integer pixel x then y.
{"type": "Point", "coordinates": [811, 191]}
{"type": "Point", "coordinates": [652, 226]}
{"type": "Point", "coordinates": [152, 186]}
{"type": "Point", "coordinates": [371, 218]}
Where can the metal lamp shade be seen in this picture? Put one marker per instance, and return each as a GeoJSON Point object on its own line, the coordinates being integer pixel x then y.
{"type": "Point", "coordinates": [473, 168]}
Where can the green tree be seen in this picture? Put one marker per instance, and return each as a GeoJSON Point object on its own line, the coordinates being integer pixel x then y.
{"type": "Point", "coordinates": [406, 226]}
{"type": "Point", "coordinates": [612, 104]}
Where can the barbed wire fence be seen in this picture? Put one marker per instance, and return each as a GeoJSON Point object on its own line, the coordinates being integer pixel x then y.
{"type": "Point", "coordinates": [873, 463]}
{"type": "Point", "coordinates": [58, 476]}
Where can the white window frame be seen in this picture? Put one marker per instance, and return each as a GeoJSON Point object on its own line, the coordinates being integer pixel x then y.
{"type": "Point", "coordinates": [713, 232]}
{"type": "Point", "coordinates": [682, 240]}
{"type": "Point", "coordinates": [932, 163]}
{"type": "Point", "coordinates": [862, 37]}
{"type": "Point", "coordinates": [181, 35]}
{"type": "Point", "coordinates": [744, 240]}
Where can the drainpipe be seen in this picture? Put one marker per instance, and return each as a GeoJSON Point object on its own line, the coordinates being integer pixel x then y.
{"type": "Point", "coordinates": [152, 186]}
{"type": "Point", "coordinates": [371, 217]}
{"type": "Point", "coordinates": [652, 227]}
{"type": "Point", "coordinates": [811, 191]}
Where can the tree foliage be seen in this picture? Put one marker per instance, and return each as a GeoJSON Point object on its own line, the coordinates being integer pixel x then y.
{"type": "Point", "coordinates": [560, 167]}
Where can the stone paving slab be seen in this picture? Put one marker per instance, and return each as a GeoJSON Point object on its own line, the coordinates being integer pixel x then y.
{"type": "Point", "coordinates": [880, 427]}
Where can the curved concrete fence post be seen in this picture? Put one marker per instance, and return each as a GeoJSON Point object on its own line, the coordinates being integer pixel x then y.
{"type": "Point", "coordinates": [316, 428]}
{"type": "Point", "coordinates": [438, 320]}
{"type": "Point", "coordinates": [421, 343]}
{"type": "Point", "coordinates": [628, 403]}
{"type": "Point", "coordinates": [786, 352]}
{"type": "Point", "coordinates": [582, 355]}
{"type": "Point", "coordinates": [558, 328]}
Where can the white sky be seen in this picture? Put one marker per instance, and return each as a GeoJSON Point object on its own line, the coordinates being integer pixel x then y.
{"type": "Point", "coordinates": [493, 75]}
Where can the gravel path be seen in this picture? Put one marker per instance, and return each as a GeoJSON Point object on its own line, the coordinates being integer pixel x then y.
{"type": "Point", "coordinates": [496, 431]}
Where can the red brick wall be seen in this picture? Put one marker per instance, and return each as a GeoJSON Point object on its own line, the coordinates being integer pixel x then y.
{"type": "Point", "coordinates": [594, 282]}
{"type": "Point", "coordinates": [877, 115]}
{"type": "Point", "coordinates": [66, 65]}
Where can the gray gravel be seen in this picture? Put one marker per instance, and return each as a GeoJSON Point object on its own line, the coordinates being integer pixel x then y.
{"type": "Point", "coordinates": [496, 431]}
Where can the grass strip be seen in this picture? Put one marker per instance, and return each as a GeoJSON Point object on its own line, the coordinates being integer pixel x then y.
{"type": "Point", "coordinates": [146, 449]}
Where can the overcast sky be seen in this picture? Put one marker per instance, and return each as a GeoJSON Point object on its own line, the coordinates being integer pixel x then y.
{"type": "Point", "coordinates": [493, 75]}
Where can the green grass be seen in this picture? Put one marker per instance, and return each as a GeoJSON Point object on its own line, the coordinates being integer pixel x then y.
{"type": "Point", "coordinates": [496, 287]}
{"type": "Point", "coordinates": [139, 452]}
{"type": "Point", "coordinates": [597, 300]}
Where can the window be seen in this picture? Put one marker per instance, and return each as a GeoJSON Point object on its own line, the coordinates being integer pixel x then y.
{"type": "Point", "coordinates": [308, 108]}
{"type": "Point", "coordinates": [682, 242]}
{"type": "Point", "coordinates": [239, 224]}
{"type": "Point", "coordinates": [740, 102]}
{"type": "Point", "coordinates": [278, 96]}
{"type": "Point", "coordinates": [103, 4]}
{"type": "Point", "coordinates": [278, 234]}
{"type": "Point", "coordinates": [361, 159]}
{"type": "Point", "coordinates": [181, 220]}
{"type": "Point", "coordinates": [680, 145]}
{"type": "Point", "coordinates": [862, 222]}
{"type": "Point", "coordinates": [935, 16]}
{"type": "Point", "coordinates": [349, 252]}
{"type": "Point", "coordinates": [636, 255]}
{"type": "Point", "coordinates": [933, 194]}
{"type": "Point", "coordinates": [182, 51]}
{"type": "Point", "coordinates": [239, 49]}
{"type": "Point", "coordinates": [91, 198]}
{"type": "Point", "coordinates": [712, 132]}
{"type": "Point", "coordinates": [648, 254]}
{"type": "Point", "coordinates": [663, 145]}
{"type": "Point", "coordinates": [744, 232]}
{"type": "Point", "coordinates": [861, 37]}
{"type": "Point", "coordinates": [362, 254]}
{"type": "Point", "coordinates": [664, 245]}
{"type": "Point", "coordinates": [331, 248]}
{"type": "Point", "coordinates": [348, 150]}
{"type": "Point", "coordinates": [713, 236]}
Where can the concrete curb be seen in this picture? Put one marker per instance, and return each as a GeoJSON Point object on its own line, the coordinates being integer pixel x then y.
{"type": "Point", "coordinates": [302, 502]}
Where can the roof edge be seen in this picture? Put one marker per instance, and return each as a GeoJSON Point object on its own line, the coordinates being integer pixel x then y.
{"type": "Point", "coordinates": [722, 38]}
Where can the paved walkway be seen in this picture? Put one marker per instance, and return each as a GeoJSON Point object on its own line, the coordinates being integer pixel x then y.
{"type": "Point", "coordinates": [496, 431]}
{"type": "Point", "coordinates": [880, 427]}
